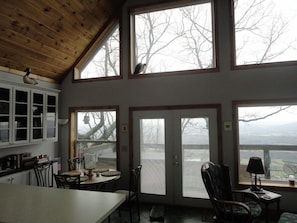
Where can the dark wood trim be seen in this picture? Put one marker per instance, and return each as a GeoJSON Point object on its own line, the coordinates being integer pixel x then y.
{"type": "Point", "coordinates": [233, 49]}
{"type": "Point", "coordinates": [92, 47]}
{"type": "Point", "coordinates": [72, 126]}
{"type": "Point", "coordinates": [167, 5]}
{"type": "Point", "coordinates": [97, 79]}
{"type": "Point", "coordinates": [250, 102]}
{"type": "Point", "coordinates": [264, 65]}
{"type": "Point", "coordinates": [232, 34]}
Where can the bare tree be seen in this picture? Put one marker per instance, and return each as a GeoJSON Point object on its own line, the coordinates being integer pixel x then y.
{"type": "Point", "coordinates": [150, 38]}
{"type": "Point", "coordinates": [256, 117]}
{"type": "Point", "coordinates": [257, 20]}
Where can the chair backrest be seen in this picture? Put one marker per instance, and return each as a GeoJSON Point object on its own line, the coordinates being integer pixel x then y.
{"type": "Point", "coordinates": [217, 182]}
{"type": "Point", "coordinates": [44, 174]}
{"type": "Point", "coordinates": [67, 181]}
{"type": "Point", "coordinates": [76, 163]}
{"type": "Point", "coordinates": [134, 180]}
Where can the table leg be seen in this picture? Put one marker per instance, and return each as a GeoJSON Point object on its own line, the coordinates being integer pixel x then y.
{"type": "Point", "coordinates": [266, 212]}
{"type": "Point", "coordinates": [278, 201]}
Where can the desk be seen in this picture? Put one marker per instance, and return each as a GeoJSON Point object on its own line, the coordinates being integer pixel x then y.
{"type": "Point", "coordinates": [267, 198]}
{"type": "Point", "coordinates": [30, 204]}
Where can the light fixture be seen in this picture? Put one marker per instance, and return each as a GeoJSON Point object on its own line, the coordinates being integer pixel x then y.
{"type": "Point", "coordinates": [86, 119]}
{"type": "Point", "coordinates": [63, 121]}
{"type": "Point", "coordinates": [255, 166]}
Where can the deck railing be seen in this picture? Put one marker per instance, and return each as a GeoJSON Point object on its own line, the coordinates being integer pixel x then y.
{"type": "Point", "coordinates": [279, 161]}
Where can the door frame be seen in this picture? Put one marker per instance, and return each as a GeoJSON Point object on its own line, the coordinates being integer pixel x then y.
{"type": "Point", "coordinates": [217, 107]}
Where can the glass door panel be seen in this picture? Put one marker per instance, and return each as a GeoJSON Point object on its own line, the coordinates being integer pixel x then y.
{"type": "Point", "coordinates": [152, 156]}
{"type": "Point", "coordinates": [195, 151]}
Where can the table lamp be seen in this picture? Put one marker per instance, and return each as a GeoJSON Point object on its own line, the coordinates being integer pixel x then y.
{"type": "Point", "coordinates": [255, 166]}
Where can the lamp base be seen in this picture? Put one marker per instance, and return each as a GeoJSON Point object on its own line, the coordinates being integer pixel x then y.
{"type": "Point", "coordinates": [256, 189]}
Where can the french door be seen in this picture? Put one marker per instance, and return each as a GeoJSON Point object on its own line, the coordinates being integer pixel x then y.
{"type": "Point", "coordinates": [171, 145]}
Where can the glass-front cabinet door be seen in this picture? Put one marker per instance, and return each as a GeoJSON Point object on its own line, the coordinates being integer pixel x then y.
{"type": "Point", "coordinates": [5, 118]}
{"type": "Point", "coordinates": [51, 116]}
{"type": "Point", "coordinates": [37, 115]}
{"type": "Point", "coordinates": [21, 116]}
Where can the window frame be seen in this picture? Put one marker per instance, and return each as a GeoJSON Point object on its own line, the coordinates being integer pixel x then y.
{"type": "Point", "coordinates": [73, 128]}
{"type": "Point", "coordinates": [93, 48]}
{"type": "Point", "coordinates": [163, 6]}
{"type": "Point", "coordinates": [253, 103]}
{"type": "Point", "coordinates": [233, 49]}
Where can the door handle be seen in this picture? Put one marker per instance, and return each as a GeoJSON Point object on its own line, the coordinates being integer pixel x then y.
{"type": "Point", "coordinates": [175, 160]}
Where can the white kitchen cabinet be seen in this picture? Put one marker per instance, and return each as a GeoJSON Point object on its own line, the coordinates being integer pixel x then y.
{"type": "Point", "coordinates": [27, 115]}
{"type": "Point", "coordinates": [16, 178]}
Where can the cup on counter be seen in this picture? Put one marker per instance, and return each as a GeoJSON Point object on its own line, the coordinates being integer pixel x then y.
{"type": "Point", "coordinates": [291, 180]}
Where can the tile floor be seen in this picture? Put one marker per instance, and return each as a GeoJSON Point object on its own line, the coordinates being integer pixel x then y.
{"type": "Point", "coordinates": [172, 214]}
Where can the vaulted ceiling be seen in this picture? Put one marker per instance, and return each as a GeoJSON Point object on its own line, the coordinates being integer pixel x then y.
{"type": "Point", "coordinates": [50, 36]}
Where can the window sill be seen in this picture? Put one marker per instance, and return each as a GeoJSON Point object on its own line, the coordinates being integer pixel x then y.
{"type": "Point", "coordinates": [271, 184]}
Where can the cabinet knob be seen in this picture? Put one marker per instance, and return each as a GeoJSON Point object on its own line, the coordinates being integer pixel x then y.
{"type": "Point", "coordinates": [10, 180]}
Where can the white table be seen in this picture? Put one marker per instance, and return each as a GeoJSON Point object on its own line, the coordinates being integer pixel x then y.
{"type": "Point", "coordinates": [30, 204]}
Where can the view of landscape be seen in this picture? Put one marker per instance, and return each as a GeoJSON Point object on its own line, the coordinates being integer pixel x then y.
{"type": "Point", "coordinates": [269, 132]}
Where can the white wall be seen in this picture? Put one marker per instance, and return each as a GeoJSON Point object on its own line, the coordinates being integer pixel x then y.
{"type": "Point", "coordinates": [221, 87]}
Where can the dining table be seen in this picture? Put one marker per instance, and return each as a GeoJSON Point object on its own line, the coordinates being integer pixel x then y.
{"type": "Point", "coordinates": [30, 204]}
{"type": "Point", "coordinates": [95, 179]}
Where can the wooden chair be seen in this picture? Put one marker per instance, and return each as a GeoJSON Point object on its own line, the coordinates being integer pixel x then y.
{"type": "Point", "coordinates": [44, 174]}
{"type": "Point", "coordinates": [227, 208]}
{"type": "Point", "coordinates": [76, 163]}
{"type": "Point", "coordinates": [67, 181]}
{"type": "Point", "coordinates": [132, 193]}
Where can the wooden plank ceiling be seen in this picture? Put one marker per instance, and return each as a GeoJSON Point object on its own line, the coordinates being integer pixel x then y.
{"type": "Point", "coordinates": [50, 36]}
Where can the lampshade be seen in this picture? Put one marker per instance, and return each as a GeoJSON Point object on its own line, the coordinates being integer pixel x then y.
{"type": "Point", "coordinates": [255, 166]}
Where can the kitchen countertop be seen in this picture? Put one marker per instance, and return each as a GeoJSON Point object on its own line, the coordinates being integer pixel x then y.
{"type": "Point", "coordinates": [12, 171]}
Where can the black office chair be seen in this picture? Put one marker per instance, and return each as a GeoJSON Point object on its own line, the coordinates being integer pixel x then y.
{"type": "Point", "coordinates": [67, 181]}
{"type": "Point", "coordinates": [76, 163]}
{"type": "Point", "coordinates": [44, 174]}
{"type": "Point", "coordinates": [227, 208]}
{"type": "Point", "coordinates": [132, 193]}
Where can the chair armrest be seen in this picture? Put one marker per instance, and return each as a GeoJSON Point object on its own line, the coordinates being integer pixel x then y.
{"type": "Point", "coordinates": [247, 194]}
{"type": "Point", "coordinates": [230, 208]}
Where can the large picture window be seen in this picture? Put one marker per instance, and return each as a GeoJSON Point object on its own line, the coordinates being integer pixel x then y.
{"type": "Point", "coordinates": [269, 131]}
{"type": "Point", "coordinates": [174, 39]}
{"type": "Point", "coordinates": [95, 134]}
{"type": "Point", "coordinates": [264, 31]}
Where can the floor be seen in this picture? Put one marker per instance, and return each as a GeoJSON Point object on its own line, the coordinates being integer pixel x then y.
{"type": "Point", "coordinates": [172, 214]}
